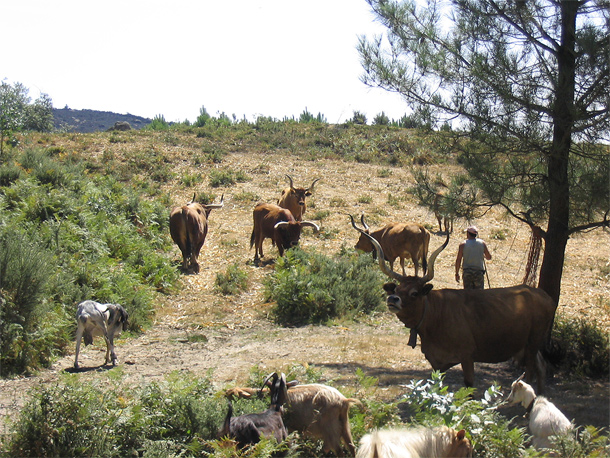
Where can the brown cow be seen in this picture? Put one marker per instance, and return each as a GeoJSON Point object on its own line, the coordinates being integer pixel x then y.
{"type": "Point", "coordinates": [294, 199]}
{"type": "Point", "coordinates": [460, 326]}
{"type": "Point", "coordinates": [275, 223]}
{"type": "Point", "coordinates": [188, 226]}
{"type": "Point", "coordinates": [398, 240]}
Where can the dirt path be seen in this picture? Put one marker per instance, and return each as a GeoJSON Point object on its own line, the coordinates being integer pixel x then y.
{"type": "Point", "coordinates": [198, 330]}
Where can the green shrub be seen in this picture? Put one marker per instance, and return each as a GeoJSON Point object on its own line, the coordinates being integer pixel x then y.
{"type": "Point", "coordinates": [310, 288]}
{"type": "Point", "coordinates": [226, 177]}
{"type": "Point", "coordinates": [179, 416]}
{"type": "Point", "coordinates": [95, 238]}
{"type": "Point", "coordinates": [581, 347]}
{"type": "Point", "coordinates": [29, 328]}
{"type": "Point", "coordinates": [233, 281]}
{"type": "Point", "coordinates": [432, 404]}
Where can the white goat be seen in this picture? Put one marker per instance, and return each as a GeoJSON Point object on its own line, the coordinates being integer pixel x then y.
{"type": "Point", "coordinates": [416, 442]}
{"type": "Point", "coordinates": [545, 419]}
{"type": "Point", "coordinates": [316, 411]}
{"type": "Point", "coordinates": [95, 319]}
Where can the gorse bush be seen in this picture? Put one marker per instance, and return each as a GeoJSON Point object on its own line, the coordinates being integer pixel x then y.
{"type": "Point", "coordinates": [67, 239]}
{"type": "Point", "coordinates": [180, 415]}
{"type": "Point", "coordinates": [30, 330]}
{"type": "Point", "coordinates": [310, 288]}
{"type": "Point", "coordinates": [580, 347]}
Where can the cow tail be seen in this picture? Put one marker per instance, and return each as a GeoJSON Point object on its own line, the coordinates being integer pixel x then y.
{"type": "Point", "coordinates": [188, 244]}
{"type": "Point", "coordinates": [252, 239]}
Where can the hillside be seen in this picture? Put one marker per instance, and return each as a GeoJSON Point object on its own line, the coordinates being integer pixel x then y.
{"type": "Point", "coordinates": [199, 330]}
{"type": "Point", "coordinates": [86, 121]}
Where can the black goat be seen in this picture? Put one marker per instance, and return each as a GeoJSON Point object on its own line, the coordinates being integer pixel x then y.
{"type": "Point", "coordinates": [248, 429]}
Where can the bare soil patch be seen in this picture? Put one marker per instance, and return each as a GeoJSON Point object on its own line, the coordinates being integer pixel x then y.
{"type": "Point", "coordinates": [198, 330]}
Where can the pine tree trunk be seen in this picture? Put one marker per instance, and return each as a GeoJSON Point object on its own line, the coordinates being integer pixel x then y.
{"type": "Point", "coordinates": [558, 230]}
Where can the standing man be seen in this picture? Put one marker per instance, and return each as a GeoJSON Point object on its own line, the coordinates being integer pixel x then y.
{"type": "Point", "coordinates": [471, 258]}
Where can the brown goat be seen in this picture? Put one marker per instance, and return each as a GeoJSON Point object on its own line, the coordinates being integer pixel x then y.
{"type": "Point", "coordinates": [316, 411]}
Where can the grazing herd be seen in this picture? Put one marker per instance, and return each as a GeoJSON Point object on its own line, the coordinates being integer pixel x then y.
{"type": "Point", "coordinates": [454, 327]}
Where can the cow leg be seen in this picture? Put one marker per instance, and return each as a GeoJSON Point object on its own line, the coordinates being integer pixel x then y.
{"type": "Point", "coordinates": [534, 366]}
{"type": "Point", "coordinates": [402, 265]}
{"type": "Point", "coordinates": [258, 249]}
{"type": "Point", "coordinates": [415, 264]}
{"type": "Point", "coordinates": [468, 370]}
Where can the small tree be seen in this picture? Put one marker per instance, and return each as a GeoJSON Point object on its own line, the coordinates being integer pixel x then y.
{"type": "Point", "coordinates": [359, 118]}
{"type": "Point", "coordinates": [529, 81]}
{"type": "Point", "coordinates": [381, 120]}
{"type": "Point", "coordinates": [17, 113]}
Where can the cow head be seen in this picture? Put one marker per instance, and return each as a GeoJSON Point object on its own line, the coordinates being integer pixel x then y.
{"type": "Point", "coordinates": [364, 244]}
{"type": "Point", "coordinates": [408, 289]}
{"type": "Point", "coordinates": [299, 194]}
{"type": "Point", "coordinates": [288, 233]}
{"type": "Point", "coordinates": [209, 207]}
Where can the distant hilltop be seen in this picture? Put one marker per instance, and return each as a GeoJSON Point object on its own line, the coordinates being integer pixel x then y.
{"type": "Point", "coordinates": [68, 120]}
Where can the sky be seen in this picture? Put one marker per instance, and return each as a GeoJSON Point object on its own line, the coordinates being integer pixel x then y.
{"type": "Point", "coordinates": [246, 58]}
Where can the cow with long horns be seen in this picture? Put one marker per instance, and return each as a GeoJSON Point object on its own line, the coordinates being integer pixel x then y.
{"type": "Point", "coordinates": [398, 240]}
{"type": "Point", "coordinates": [293, 198]}
{"type": "Point", "coordinates": [278, 224]}
{"type": "Point", "coordinates": [188, 226]}
{"type": "Point", "coordinates": [459, 326]}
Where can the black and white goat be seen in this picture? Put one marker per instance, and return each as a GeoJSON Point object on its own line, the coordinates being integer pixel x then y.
{"type": "Point", "coordinates": [248, 429]}
{"type": "Point", "coordinates": [95, 319]}
{"type": "Point", "coordinates": [316, 411]}
{"type": "Point", "coordinates": [545, 419]}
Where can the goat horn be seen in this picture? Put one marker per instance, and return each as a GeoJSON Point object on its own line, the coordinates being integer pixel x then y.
{"type": "Point", "coordinates": [273, 376]}
{"type": "Point", "coordinates": [382, 264]}
{"type": "Point", "coordinates": [290, 178]}
{"type": "Point", "coordinates": [521, 378]}
{"type": "Point", "coordinates": [430, 274]}
{"type": "Point", "coordinates": [194, 195]}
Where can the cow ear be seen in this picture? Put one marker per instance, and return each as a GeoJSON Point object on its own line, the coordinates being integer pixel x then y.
{"type": "Point", "coordinates": [308, 193]}
{"type": "Point", "coordinates": [426, 289]}
{"type": "Point", "coordinates": [389, 288]}
{"type": "Point", "coordinates": [461, 434]}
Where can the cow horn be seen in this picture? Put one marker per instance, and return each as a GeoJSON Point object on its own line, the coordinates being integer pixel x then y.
{"type": "Point", "coordinates": [430, 274]}
{"type": "Point", "coordinates": [314, 182]}
{"type": "Point", "coordinates": [194, 195]}
{"type": "Point", "coordinates": [290, 179]}
{"type": "Point", "coordinates": [219, 205]}
{"type": "Point", "coordinates": [310, 224]}
{"type": "Point", "coordinates": [382, 264]}
{"type": "Point", "coordinates": [364, 225]}
{"type": "Point", "coordinates": [280, 224]}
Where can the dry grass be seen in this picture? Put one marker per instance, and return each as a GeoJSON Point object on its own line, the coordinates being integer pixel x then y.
{"type": "Point", "coordinates": [239, 335]}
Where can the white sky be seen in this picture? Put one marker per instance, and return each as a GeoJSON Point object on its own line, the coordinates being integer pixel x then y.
{"type": "Point", "coordinates": [243, 57]}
